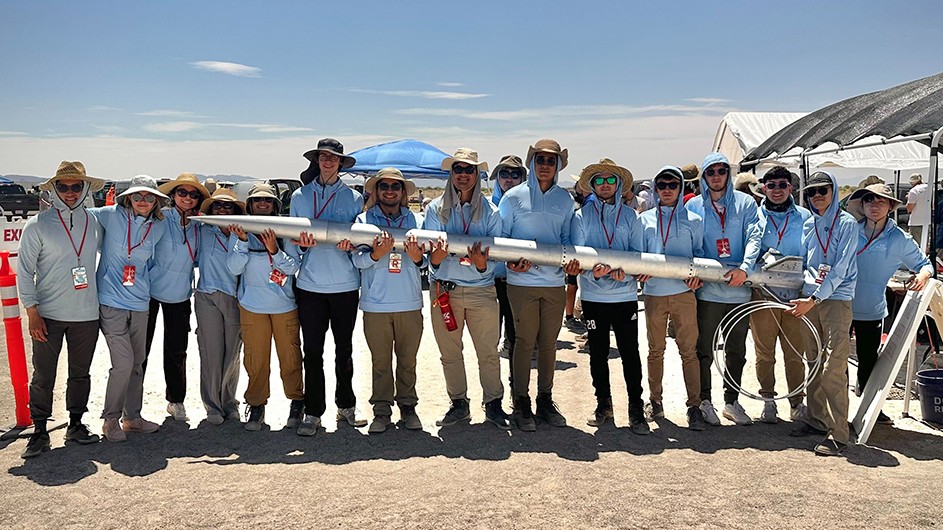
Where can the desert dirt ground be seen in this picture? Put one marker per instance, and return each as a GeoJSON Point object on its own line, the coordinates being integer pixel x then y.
{"type": "Point", "coordinates": [470, 475]}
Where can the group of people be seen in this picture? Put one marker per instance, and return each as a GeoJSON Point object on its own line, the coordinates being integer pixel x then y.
{"type": "Point", "coordinates": [256, 288]}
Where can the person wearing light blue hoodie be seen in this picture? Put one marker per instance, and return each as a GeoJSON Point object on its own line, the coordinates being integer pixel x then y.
{"type": "Point", "coordinates": [509, 173]}
{"type": "Point", "coordinates": [541, 211]}
{"type": "Point", "coordinates": [829, 244]}
{"type": "Point", "coordinates": [729, 217]}
{"type": "Point", "coordinates": [392, 299]}
{"type": "Point", "coordinates": [610, 299]}
{"type": "Point", "coordinates": [328, 282]}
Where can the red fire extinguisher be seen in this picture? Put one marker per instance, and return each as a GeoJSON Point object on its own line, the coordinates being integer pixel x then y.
{"type": "Point", "coordinates": [442, 300]}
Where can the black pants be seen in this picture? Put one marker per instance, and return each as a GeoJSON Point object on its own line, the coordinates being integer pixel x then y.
{"type": "Point", "coordinates": [317, 312]}
{"type": "Point", "coordinates": [176, 337]}
{"type": "Point", "coordinates": [622, 317]}
{"type": "Point", "coordinates": [867, 342]}
{"type": "Point", "coordinates": [504, 312]}
{"type": "Point", "coordinates": [709, 315]}
{"type": "Point", "coordinates": [81, 338]}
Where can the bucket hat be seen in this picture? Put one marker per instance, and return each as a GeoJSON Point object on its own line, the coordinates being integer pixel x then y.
{"type": "Point", "coordinates": [467, 156]}
{"type": "Point", "coordinates": [331, 146]}
{"type": "Point", "coordinates": [856, 207]}
{"type": "Point", "coordinates": [605, 165]}
{"type": "Point", "coordinates": [188, 179]}
{"type": "Point", "coordinates": [547, 145]}
{"type": "Point", "coordinates": [508, 162]}
{"type": "Point", "coordinates": [390, 173]}
{"type": "Point", "coordinates": [222, 195]}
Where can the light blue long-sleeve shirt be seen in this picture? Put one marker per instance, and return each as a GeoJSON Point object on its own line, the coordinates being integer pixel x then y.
{"type": "Point", "coordinates": [733, 218]}
{"type": "Point", "coordinates": [324, 268]}
{"type": "Point", "coordinates": [877, 262]}
{"type": "Point", "coordinates": [836, 231]}
{"type": "Point", "coordinates": [145, 233]}
{"type": "Point", "coordinates": [545, 217]}
{"type": "Point", "coordinates": [253, 263]}
{"type": "Point", "coordinates": [783, 232]}
{"type": "Point", "coordinates": [460, 222]}
{"type": "Point", "coordinates": [384, 291]}
{"type": "Point", "coordinates": [670, 231]}
{"type": "Point", "coordinates": [174, 259]}
{"type": "Point", "coordinates": [213, 257]}
{"type": "Point", "coordinates": [607, 226]}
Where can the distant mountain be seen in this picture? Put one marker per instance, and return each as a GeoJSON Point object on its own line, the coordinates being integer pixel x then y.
{"type": "Point", "coordinates": [26, 180]}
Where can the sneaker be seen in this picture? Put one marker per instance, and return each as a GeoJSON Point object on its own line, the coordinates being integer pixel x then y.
{"type": "Point", "coordinates": [830, 447]}
{"type": "Point", "coordinates": [214, 419]}
{"type": "Point", "coordinates": [349, 415]}
{"type": "Point", "coordinates": [177, 411]}
{"type": "Point", "coordinates": [696, 419]}
{"type": "Point", "coordinates": [884, 419]}
{"type": "Point", "coordinates": [522, 415]}
{"type": "Point", "coordinates": [296, 412]}
{"type": "Point", "coordinates": [799, 412]}
{"type": "Point", "coordinates": [496, 415]}
{"type": "Point", "coordinates": [735, 413]}
{"type": "Point", "coordinates": [654, 409]}
{"type": "Point", "coordinates": [602, 414]}
{"type": "Point", "coordinates": [139, 425]}
{"type": "Point", "coordinates": [769, 414]}
{"type": "Point", "coordinates": [637, 419]}
{"type": "Point", "coordinates": [709, 413]}
{"type": "Point", "coordinates": [309, 425]}
{"type": "Point", "coordinates": [458, 411]}
{"type": "Point", "coordinates": [379, 424]}
{"type": "Point", "coordinates": [113, 432]}
{"type": "Point", "coordinates": [574, 324]}
{"type": "Point", "coordinates": [407, 414]}
{"type": "Point", "coordinates": [233, 414]}
{"type": "Point", "coordinates": [80, 434]}
{"type": "Point", "coordinates": [38, 444]}
{"type": "Point", "coordinates": [255, 417]}
{"type": "Point", "coordinates": [547, 410]}
{"type": "Point", "coordinates": [806, 430]}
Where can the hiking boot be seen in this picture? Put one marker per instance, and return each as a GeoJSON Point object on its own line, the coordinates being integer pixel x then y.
{"type": "Point", "coordinates": [38, 444]}
{"type": "Point", "coordinates": [349, 415]}
{"type": "Point", "coordinates": [806, 430]}
{"type": "Point", "coordinates": [522, 415]}
{"type": "Point", "coordinates": [709, 413]}
{"type": "Point", "coordinates": [379, 424]}
{"type": "Point", "coordinates": [79, 433]}
{"type": "Point", "coordinates": [407, 414]}
{"type": "Point", "coordinates": [830, 447]}
{"type": "Point", "coordinates": [255, 417]}
{"type": "Point", "coordinates": [139, 425]}
{"type": "Point", "coordinates": [296, 412]}
{"type": "Point", "coordinates": [177, 411]}
{"type": "Point", "coordinates": [602, 414]}
{"type": "Point", "coordinates": [547, 411]}
{"type": "Point", "coordinates": [654, 409]}
{"type": "Point", "coordinates": [496, 415]}
{"type": "Point", "coordinates": [214, 419]}
{"type": "Point", "coordinates": [112, 431]}
{"type": "Point", "coordinates": [637, 419]}
{"type": "Point", "coordinates": [458, 411]}
{"type": "Point", "coordinates": [770, 412]}
{"type": "Point", "coordinates": [309, 425]}
{"type": "Point", "coordinates": [696, 419]}
{"type": "Point", "coordinates": [735, 413]}
{"type": "Point", "coordinates": [798, 412]}
{"type": "Point", "coordinates": [884, 419]}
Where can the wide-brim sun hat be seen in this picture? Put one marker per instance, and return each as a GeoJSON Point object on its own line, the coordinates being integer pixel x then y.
{"type": "Point", "coordinates": [856, 207]}
{"type": "Point", "coordinates": [334, 147]}
{"type": "Point", "coordinates": [605, 165]}
{"type": "Point", "coordinates": [547, 145]}
{"type": "Point", "coordinates": [143, 183]}
{"type": "Point", "coordinates": [184, 179]}
{"type": "Point", "coordinates": [509, 162]}
{"type": "Point", "coordinates": [390, 173]}
{"type": "Point", "coordinates": [750, 181]}
{"type": "Point", "coordinates": [466, 156]}
{"type": "Point", "coordinates": [264, 190]}
{"type": "Point", "coordinates": [72, 171]}
{"type": "Point", "coordinates": [690, 172]}
{"type": "Point", "coordinates": [222, 195]}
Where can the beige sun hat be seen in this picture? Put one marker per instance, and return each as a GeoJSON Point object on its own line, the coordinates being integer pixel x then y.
{"type": "Point", "coordinates": [509, 162]}
{"type": "Point", "coordinates": [222, 195]}
{"type": "Point", "coordinates": [855, 206]}
{"type": "Point", "coordinates": [605, 165]}
{"type": "Point", "coordinates": [748, 181]}
{"type": "Point", "coordinates": [72, 171]}
{"type": "Point", "coordinates": [188, 179]}
{"type": "Point", "coordinates": [547, 145]}
{"type": "Point", "coordinates": [466, 156]}
{"type": "Point", "coordinates": [261, 190]}
{"type": "Point", "coordinates": [690, 172]}
{"type": "Point", "coordinates": [390, 173]}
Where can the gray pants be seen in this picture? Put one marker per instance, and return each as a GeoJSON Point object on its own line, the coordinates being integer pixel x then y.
{"type": "Point", "coordinates": [219, 338]}
{"type": "Point", "coordinates": [126, 335]}
{"type": "Point", "coordinates": [80, 338]}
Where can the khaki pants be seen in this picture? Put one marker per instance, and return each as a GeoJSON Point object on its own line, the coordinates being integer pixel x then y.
{"type": "Point", "coordinates": [385, 333]}
{"type": "Point", "coordinates": [538, 317]}
{"type": "Point", "coordinates": [682, 308]}
{"type": "Point", "coordinates": [477, 308]}
{"type": "Point", "coordinates": [828, 391]}
{"type": "Point", "coordinates": [257, 333]}
{"type": "Point", "coordinates": [767, 326]}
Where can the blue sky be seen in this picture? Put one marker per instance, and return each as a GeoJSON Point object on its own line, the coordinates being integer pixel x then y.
{"type": "Point", "coordinates": [138, 87]}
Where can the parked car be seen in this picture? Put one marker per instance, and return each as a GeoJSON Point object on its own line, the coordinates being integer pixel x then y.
{"type": "Point", "coordinates": [16, 202]}
{"type": "Point", "coordinates": [283, 190]}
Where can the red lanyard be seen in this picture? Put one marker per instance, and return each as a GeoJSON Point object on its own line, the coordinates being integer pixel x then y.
{"type": "Point", "coordinates": [318, 213]}
{"type": "Point", "coordinates": [465, 227]}
{"type": "Point", "coordinates": [267, 253]}
{"type": "Point", "coordinates": [141, 242]}
{"type": "Point", "coordinates": [828, 237]}
{"type": "Point", "coordinates": [609, 238]}
{"type": "Point", "coordinates": [221, 243]}
{"type": "Point", "coordinates": [196, 238]}
{"type": "Point", "coordinates": [402, 218]}
{"type": "Point", "coordinates": [779, 232]}
{"type": "Point", "coordinates": [78, 253]}
{"type": "Point", "coordinates": [871, 240]}
{"type": "Point", "coordinates": [722, 216]}
{"type": "Point", "coordinates": [664, 235]}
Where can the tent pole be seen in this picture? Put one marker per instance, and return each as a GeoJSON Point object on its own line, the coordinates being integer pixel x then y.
{"type": "Point", "coordinates": [803, 170]}
{"type": "Point", "coordinates": [934, 179]}
{"type": "Point", "coordinates": [897, 193]}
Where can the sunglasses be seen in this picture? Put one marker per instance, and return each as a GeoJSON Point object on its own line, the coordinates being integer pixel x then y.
{"type": "Point", "coordinates": [711, 172]}
{"type": "Point", "coordinates": [778, 185]}
{"type": "Point", "coordinates": [599, 181]}
{"type": "Point", "coordinates": [389, 186]}
{"type": "Point", "coordinates": [195, 195]}
{"type": "Point", "coordinates": [138, 197]}
{"type": "Point", "coordinates": [508, 174]}
{"type": "Point", "coordinates": [545, 160]}
{"type": "Point", "coordinates": [468, 170]}
{"type": "Point", "coordinates": [65, 188]}
{"type": "Point", "coordinates": [819, 190]}
{"type": "Point", "coordinates": [222, 205]}
{"type": "Point", "coordinates": [669, 185]}
{"type": "Point", "coordinates": [262, 199]}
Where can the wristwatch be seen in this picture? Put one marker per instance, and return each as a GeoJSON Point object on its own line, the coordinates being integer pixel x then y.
{"type": "Point", "coordinates": [815, 300]}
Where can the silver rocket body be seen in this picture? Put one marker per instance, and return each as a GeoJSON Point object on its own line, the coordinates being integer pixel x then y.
{"type": "Point", "coordinates": [783, 272]}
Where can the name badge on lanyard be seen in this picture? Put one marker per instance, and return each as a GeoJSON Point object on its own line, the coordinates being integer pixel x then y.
{"type": "Point", "coordinates": [79, 278]}
{"type": "Point", "coordinates": [127, 278]}
{"type": "Point", "coordinates": [723, 247]}
{"type": "Point", "coordinates": [396, 262]}
{"type": "Point", "coordinates": [823, 271]}
{"type": "Point", "coordinates": [278, 277]}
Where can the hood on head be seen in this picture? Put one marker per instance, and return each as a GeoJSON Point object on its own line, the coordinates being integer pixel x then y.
{"type": "Point", "coordinates": [676, 173]}
{"type": "Point", "coordinates": [60, 205]}
{"type": "Point", "coordinates": [834, 205]}
{"type": "Point", "coordinates": [710, 160]}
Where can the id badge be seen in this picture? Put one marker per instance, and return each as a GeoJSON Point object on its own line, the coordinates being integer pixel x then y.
{"type": "Point", "coordinates": [723, 248]}
{"type": "Point", "coordinates": [79, 278]}
{"type": "Point", "coordinates": [823, 271]}
{"type": "Point", "coordinates": [466, 261]}
{"type": "Point", "coordinates": [278, 277]}
{"type": "Point", "coordinates": [396, 262]}
{"type": "Point", "coordinates": [127, 279]}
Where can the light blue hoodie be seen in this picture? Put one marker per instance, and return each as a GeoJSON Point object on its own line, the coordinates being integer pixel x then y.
{"type": "Point", "coordinates": [782, 231]}
{"type": "Point", "coordinates": [250, 260]}
{"type": "Point", "coordinates": [214, 255]}
{"type": "Point", "coordinates": [740, 216]}
{"type": "Point", "coordinates": [174, 259]}
{"type": "Point", "coordinates": [384, 291]}
{"type": "Point", "coordinates": [877, 263]}
{"type": "Point", "coordinates": [530, 214]}
{"type": "Point", "coordinates": [842, 242]}
{"type": "Point", "coordinates": [324, 269]}
{"type": "Point", "coordinates": [594, 224]}
{"type": "Point", "coordinates": [488, 225]}
{"type": "Point", "coordinates": [145, 233]}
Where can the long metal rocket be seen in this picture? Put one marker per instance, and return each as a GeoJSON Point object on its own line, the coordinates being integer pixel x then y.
{"type": "Point", "coordinates": [784, 272]}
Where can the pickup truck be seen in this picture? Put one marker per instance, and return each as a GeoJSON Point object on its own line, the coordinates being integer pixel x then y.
{"type": "Point", "coordinates": [16, 202]}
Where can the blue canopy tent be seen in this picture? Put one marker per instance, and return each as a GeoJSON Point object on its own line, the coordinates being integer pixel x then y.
{"type": "Point", "coordinates": [412, 157]}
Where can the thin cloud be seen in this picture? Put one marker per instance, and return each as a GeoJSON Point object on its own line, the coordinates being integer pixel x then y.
{"type": "Point", "coordinates": [562, 111]}
{"type": "Point", "coordinates": [172, 126]}
{"type": "Point", "coordinates": [170, 113]}
{"type": "Point", "coordinates": [709, 101]}
{"type": "Point", "coordinates": [12, 133]}
{"type": "Point", "coordinates": [427, 94]}
{"type": "Point", "coordinates": [103, 108]}
{"type": "Point", "coordinates": [111, 129]}
{"type": "Point", "coordinates": [449, 84]}
{"type": "Point", "coordinates": [222, 67]}
{"type": "Point", "coordinates": [186, 126]}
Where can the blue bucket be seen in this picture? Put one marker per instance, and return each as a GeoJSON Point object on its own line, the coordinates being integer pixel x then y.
{"type": "Point", "coordinates": [930, 390]}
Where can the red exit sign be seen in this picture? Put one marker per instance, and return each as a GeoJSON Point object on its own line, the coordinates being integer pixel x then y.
{"type": "Point", "coordinates": [12, 234]}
